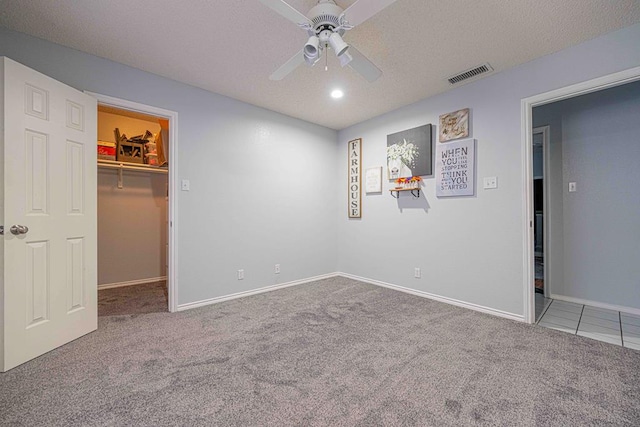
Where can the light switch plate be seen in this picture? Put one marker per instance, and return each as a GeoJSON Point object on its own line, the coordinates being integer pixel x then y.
{"type": "Point", "coordinates": [185, 185]}
{"type": "Point", "coordinates": [490, 182]}
{"type": "Point", "coordinates": [572, 187]}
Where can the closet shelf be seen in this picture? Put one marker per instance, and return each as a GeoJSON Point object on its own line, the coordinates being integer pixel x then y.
{"type": "Point", "coordinates": [110, 164]}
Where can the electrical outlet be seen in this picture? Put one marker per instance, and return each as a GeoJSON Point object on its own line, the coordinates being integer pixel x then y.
{"type": "Point", "coordinates": [417, 273]}
{"type": "Point", "coordinates": [277, 269]}
{"type": "Point", "coordinates": [240, 274]}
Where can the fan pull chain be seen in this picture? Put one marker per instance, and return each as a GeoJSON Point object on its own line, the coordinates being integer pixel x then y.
{"type": "Point", "coordinates": [326, 58]}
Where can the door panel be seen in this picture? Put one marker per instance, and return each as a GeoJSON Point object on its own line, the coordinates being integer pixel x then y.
{"type": "Point", "coordinates": [49, 277]}
{"type": "Point", "coordinates": [75, 274]}
{"type": "Point", "coordinates": [37, 283]}
{"type": "Point", "coordinates": [75, 177]}
{"type": "Point", "coordinates": [37, 168]}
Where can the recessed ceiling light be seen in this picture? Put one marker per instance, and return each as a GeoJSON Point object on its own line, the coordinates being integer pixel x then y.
{"type": "Point", "coordinates": [337, 93]}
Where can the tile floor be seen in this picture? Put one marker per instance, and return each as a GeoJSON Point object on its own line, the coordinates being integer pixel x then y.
{"type": "Point", "coordinates": [597, 323]}
{"type": "Point", "coordinates": [541, 305]}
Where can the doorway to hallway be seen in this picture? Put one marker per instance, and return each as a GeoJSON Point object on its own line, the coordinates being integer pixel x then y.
{"type": "Point", "coordinates": [591, 176]}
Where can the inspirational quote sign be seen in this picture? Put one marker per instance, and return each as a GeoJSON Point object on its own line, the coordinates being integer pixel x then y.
{"type": "Point", "coordinates": [455, 168]}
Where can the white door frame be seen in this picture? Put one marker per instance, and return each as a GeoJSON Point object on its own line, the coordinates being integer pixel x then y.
{"type": "Point", "coordinates": [526, 126]}
{"type": "Point", "coordinates": [172, 116]}
{"type": "Point", "coordinates": [546, 134]}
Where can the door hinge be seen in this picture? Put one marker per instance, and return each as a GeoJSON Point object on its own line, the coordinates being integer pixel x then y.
{"type": "Point", "coordinates": [1, 230]}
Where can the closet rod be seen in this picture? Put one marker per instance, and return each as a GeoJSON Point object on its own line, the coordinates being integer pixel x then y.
{"type": "Point", "coordinates": [120, 167]}
{"type": "Point", "coordinates": [124, 166]}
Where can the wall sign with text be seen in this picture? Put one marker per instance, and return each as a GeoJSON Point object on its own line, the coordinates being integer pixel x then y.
{"type": "Point", "coordinates": [355, 178]}
{"type": "Point", "coordinates": [455, 168]}
{"type": "Point", "coordinates": [373, 180]}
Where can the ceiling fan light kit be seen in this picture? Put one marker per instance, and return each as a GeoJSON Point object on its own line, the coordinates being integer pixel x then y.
{"type": "Point", "coordinates": [337, 44]}
{"type": "Point", "coordinates": [311, 48]}
{"type": "Point", "coordinates": [325, 25]}
{"type": "Point", "coordinates": [310, 60]}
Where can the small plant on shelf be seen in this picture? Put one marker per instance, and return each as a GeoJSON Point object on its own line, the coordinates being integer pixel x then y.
{"type": "Point", "coordinates": [410, 182]}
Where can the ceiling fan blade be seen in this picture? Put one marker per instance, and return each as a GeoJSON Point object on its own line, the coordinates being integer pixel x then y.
{"type": "Point", "coordinates": [286, 68]}
{"type": "Point", "coordinates": [362, 10]}
{"type": "Point", "coordinates": [362, 65]}
{"type": "Point", "coordinates": [287, 11]}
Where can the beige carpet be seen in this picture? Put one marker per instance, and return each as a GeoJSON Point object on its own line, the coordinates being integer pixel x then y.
{"type": "Point", "coordinates": [138, 299]}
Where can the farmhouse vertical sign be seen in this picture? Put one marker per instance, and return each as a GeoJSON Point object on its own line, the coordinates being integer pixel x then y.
{"type": "Point", "coordinates": [355, 178]}
{"type": "Point", "coordinates": [455, 168]}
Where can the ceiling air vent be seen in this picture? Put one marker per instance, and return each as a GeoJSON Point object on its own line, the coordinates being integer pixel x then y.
{"type": "Point", "coordinates": [474, 72]}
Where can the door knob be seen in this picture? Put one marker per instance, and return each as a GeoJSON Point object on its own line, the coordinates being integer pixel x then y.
{"type": "Point", "coordinates": [19, 229]}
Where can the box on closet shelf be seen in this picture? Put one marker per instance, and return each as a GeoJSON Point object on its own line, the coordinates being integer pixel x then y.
{"type": "Point", "coordinates": [106, 150]}
{"type": "Point", "coordinates": [130, 152]}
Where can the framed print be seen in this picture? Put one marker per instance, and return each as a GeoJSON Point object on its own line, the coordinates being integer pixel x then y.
{"type": "Point", "coordinates": [454, 125]}
{"type": "Point", "coordinates": [409, 153]}
{"type": "Point", "coordinates": [455, 168]}
{"type": "Point", "coordinates": [373, 180]}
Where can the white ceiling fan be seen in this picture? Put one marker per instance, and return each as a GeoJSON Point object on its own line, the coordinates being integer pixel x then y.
{"type": "Point", "coordinates": [325, 25]}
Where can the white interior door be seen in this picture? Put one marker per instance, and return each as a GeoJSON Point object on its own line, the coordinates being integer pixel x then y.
{"type": "Point", "coordinates": [49, 273]}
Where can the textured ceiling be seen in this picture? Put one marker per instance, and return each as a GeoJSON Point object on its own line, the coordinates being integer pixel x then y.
{"type": "Point", "coordinates": [232, 46]}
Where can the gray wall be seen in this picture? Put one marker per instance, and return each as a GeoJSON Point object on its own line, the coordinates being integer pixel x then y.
{"type": "Point", "coordinates": [262, 184]}
{"type": "Point", "coordinates": [601, 220]}
{"type": "Point", "coordinates": [469, 249]}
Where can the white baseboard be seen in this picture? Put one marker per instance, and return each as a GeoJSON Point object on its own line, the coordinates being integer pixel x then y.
{"type": "Point", "coordinates": [132, 283]}
{"type": "Point", "coordinates": [475, 307]}
{"type": "Point", "coordinates": [598, 304]}
{"type": "Point", "coordinates": [471, 306]}
{"type": "Point", "coordinates": [209, 301]}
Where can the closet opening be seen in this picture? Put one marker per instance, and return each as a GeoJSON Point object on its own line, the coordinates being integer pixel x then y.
{"type": "Point", "coordinates": [133, 211]}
